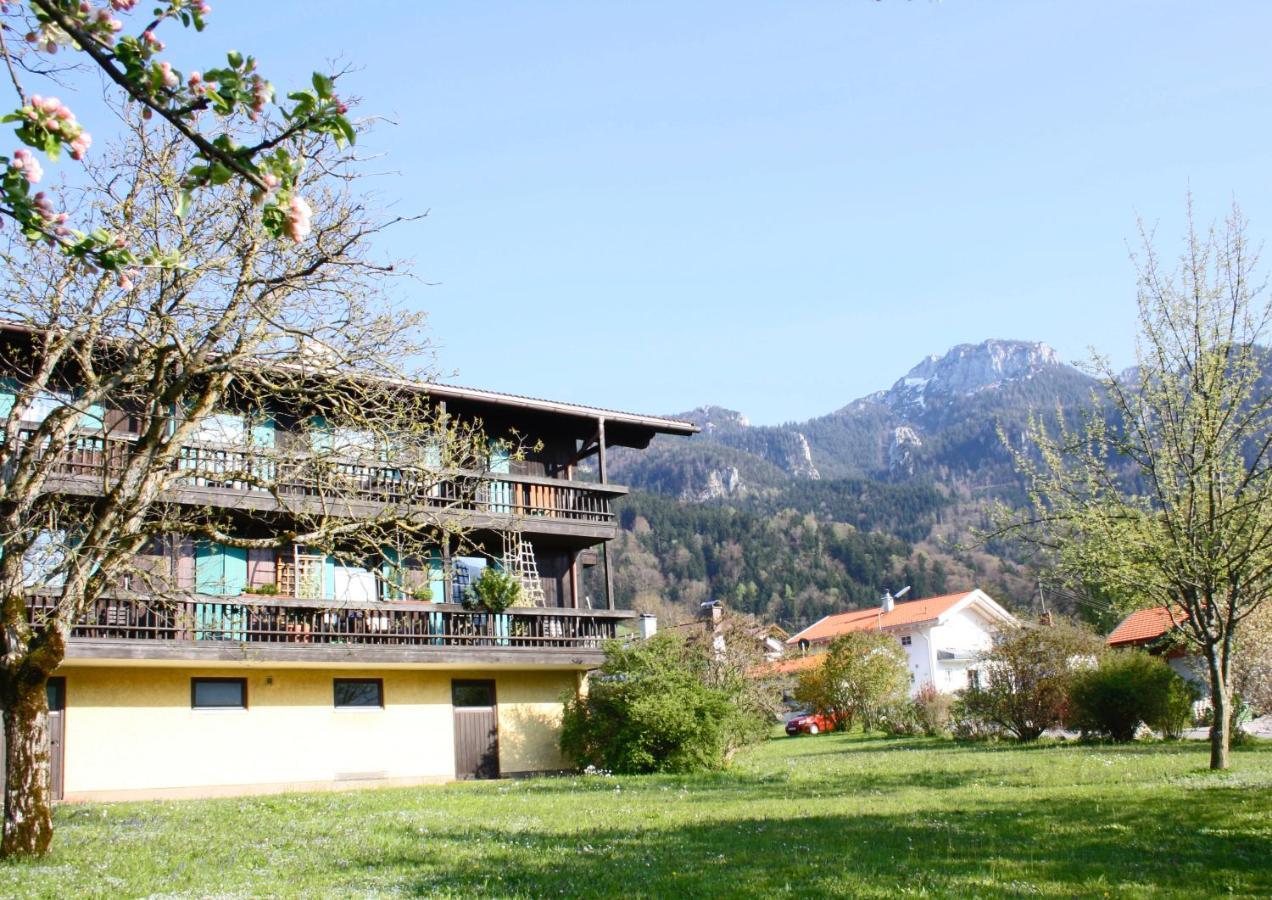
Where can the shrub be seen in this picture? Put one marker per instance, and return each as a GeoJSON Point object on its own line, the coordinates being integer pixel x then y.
{"type": "Point", "coordinates": [967, 723]}
{"type": "Point", "coordinates": [932, 710]}
{"type": "Point", "coordinates": [1127, 689]}
{"type": "Point", "coordinates": [494, 591]}
{"type": "Point", "coordinates": [862, 674]}
{"type": "Point", "coordinates": [901, 720]}
{"type": "Point", "coordinates": [1026, 679]}
{"type": "Point", "coordinates": [1177, 713]}
{"type": "Point", "coordinates": [650, 709]}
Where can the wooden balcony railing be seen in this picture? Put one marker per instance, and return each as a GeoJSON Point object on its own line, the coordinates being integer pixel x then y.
{"type": "Point", "coordinates": [243, 620]}
{"type": "Point", "coordinates": [94, 459]}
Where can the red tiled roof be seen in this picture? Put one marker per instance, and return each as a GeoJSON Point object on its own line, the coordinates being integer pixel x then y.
{"type": "Point", "coordinates": [792, 665]}
{"type": "Point", "coordinates": [873, 619]}
{"type": "Point", "coordinates": [1144, 625]}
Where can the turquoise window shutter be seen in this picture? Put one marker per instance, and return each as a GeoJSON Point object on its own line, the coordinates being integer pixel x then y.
{"type": "Point", "coordinates": [209, 567]}
{"type": "Point", "coordinates": [8, 396]}
{"type": "Point", "coordinates": [235, 570]}
{"type": "Point", "coordinates": [263, 431]}
{"type": "Point", "coordinates": [219, 570]}
{"type": "Point", "coordinates": [500, 491]}
{"type": "Point", "coordinates": [390, 575]}
{"type": "Point", "coordinates": [436, 576]}
{"type": "Point", "coordinates": [329, 578]}
{"type": "Point", "coordinates": [93, 418]}
{"type": "Point", "coordinates": [320, 437]}
{"type": "Point", "coordinates": [500, 458]}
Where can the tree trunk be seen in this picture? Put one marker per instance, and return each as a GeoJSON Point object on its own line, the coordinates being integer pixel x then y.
{"type": "Point", "coordinates": [1221, 722]}
{"type": "Point", "coordinates": [28, 808]}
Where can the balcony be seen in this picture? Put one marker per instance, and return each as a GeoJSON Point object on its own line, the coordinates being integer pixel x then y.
{"type": "Point", "coordinates": [202, 628]}
{"type": "Point", "coordinates": [247, 479]}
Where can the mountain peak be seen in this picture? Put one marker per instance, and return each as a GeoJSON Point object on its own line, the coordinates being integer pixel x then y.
{"type": "Point", "coordinates": [709, 418]}
{"type": "Point", "coordinates": [970, 368]}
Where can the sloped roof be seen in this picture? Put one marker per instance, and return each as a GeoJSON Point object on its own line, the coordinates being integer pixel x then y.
{"type": "Point", "coordinates": [794, 664]}
{"type": "Point", "coordinates": [874, 619]}
{"type": "Point", "coordinates": [1143, 625]}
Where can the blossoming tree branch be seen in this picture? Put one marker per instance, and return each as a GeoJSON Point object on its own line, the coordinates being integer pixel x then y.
{"type": "Point", "coordinates": [229, 113]}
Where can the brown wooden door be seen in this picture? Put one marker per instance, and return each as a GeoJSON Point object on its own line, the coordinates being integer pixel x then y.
{"type": "Point", "coordinates": [476, 729]}
{"type": "Point", "coordinates": [57, 733]}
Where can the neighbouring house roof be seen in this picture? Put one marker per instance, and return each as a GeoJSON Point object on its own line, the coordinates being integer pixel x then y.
{"type": "Point", "coordinates": [910, 613]}
{"type": "Point", "coordinates": [1143, 626]}
{"type": "Point", "coordinates": [792, 665]}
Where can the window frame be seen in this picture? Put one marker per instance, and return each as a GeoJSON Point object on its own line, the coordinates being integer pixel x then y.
{"type": "Point", "coordinates": [462, 683]}
{"type": "Point", "coordinates": [907, 640]}
{"type": "Point", "coordinates": [335, 700]}
{"type": "Point", "coordinates": [195, 681]}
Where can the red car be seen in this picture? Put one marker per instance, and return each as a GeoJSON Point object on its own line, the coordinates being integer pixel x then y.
{"type": "Point", "coordinates": [810, 723]}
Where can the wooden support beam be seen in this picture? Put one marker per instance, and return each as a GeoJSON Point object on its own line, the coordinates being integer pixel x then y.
{"type": "Point", "coordinates": [604, 475]}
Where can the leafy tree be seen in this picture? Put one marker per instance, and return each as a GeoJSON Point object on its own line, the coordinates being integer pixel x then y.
{"type": "Point", "coordinates": [1127, 689]}
{"type": "Point", "coordinates": [649, 708]}
{"type": "Point", "coordinates": [175, 300]}
{"type": "Point", "coordinates": [1171, 499]}
{"type": "Point", "coordinates": [1024, 678]}
{"type": "Point", "coordinates": [225, 114]}
{"type": "Point", "coordinates": [1252, 661]}
{"type": "Point", "coordinates": [862, 674]}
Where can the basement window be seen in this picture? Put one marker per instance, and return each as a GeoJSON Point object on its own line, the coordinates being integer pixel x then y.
{"type": "Point", "coordinates": [358, 693]}
{"type": "Point", "coordinates": [218, 693]}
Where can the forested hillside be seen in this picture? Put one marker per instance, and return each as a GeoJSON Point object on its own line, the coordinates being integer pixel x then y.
{"type": "Point", "coordinates": [792, 522]}
{"type": "Point", "coordinates": [783, 564]}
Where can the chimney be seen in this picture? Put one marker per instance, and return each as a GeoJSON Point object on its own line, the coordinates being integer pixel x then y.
{"type": "Point", "coordinates": [711, 612]}
{"type": "Point", "coordinates": [888, 602]}
{"type": "Point", "coordinates": [647, 626]}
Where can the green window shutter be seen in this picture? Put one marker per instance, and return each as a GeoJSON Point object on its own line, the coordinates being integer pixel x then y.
{"type": "Point", "coordinates": [390, 575]}
{"type": "Point", "coordinates": [219, 570]}
{"type": "Point", "coordinates": [8, 396]}
{"type": "Point", "coordinates": [320, 436]}
{"type": "Point", "coordinates": [329, 578]}
{"type": "Point", "coordinates": [263, 431]}
{"type": "Point", "coordinates": [436, 576]}
{"type": "Point", "coordinates": [93, 418]}
{"type": "Point", "coordinates": [500, 458]}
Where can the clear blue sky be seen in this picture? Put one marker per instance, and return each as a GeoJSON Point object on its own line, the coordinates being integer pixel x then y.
{"type": "Point", "coordinates": [779, 207]}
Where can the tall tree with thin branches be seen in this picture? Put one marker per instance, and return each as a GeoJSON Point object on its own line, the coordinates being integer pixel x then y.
{"type": "Point", "coordinates": [1164, 495]}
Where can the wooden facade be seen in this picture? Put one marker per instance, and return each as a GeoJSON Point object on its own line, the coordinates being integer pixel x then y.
{"type": "Point", "coordinates": [188, 597]}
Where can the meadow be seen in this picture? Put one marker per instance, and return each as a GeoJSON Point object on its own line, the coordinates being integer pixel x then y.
{"type": "Point", "coordinates": [853, 815]}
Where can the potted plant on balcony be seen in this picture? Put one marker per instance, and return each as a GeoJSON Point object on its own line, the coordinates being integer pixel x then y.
{"type": "Point", "coordinates": [494, 592]}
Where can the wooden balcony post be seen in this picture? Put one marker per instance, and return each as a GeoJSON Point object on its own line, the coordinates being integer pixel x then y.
{"type": "Point", "coordinates": [604, 475]}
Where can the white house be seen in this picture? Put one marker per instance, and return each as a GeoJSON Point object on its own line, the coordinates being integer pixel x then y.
{"type": "Point", "coordinates": [942, 636]}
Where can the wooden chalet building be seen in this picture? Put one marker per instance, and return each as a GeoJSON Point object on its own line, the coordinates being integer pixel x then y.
{"type": "Point", "coordinates": [271, 670]}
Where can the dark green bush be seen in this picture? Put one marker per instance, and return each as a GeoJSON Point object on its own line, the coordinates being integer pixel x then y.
{"type": "Point", "coordinates": [650, 708]}
{"type": "Point", "coordinates": [1127, 689]}
{"type": "Point", "coordinates": [1176, 716]}
{"type": "Point", "coordinates": [967, 719]}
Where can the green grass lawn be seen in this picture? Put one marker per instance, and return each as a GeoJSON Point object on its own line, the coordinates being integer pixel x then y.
{"type": "Point", "coordinates": [835, 814]}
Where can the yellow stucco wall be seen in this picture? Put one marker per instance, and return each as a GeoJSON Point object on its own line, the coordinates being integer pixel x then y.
{"type": "Point", "coordinates": [130, 731]}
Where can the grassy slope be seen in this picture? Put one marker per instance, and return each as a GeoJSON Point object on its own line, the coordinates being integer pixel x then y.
{"type": "Point", "coordinates": [831, 814]}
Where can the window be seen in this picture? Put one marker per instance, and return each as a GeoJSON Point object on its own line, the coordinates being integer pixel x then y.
{"type": "Point", "coordinates": [359, 692]}
{"type": "Point", "coordinates": [218, 693]}
{"type": "Point", "coordinates": [473, 693]}
{"type": "Point", "coordinates": [905, 640]}
{"type": "Point", "coordinates": [973, 679]}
